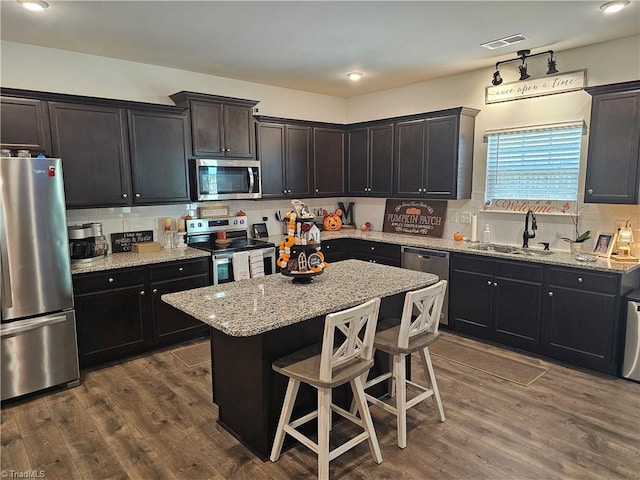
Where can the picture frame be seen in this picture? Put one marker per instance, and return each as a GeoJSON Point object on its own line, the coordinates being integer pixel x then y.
{"type": "Point", "coordinates": [605, 242]}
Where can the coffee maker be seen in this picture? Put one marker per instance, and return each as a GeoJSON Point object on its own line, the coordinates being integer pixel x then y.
{"type": "Point", "coordinates": [87, 243]}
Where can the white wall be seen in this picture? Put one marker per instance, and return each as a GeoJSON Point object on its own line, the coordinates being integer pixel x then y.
{"type": "Point", "coordinates": [37, 68]}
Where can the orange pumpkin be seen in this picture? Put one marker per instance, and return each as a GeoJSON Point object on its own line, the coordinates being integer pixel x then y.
{"type": "Point", "coordinates": [332, 223]}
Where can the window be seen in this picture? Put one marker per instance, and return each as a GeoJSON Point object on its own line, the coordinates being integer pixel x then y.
{"type": "Point", "coordinates": [534, 163]}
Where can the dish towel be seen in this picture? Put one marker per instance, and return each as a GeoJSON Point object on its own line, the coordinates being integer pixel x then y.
{"type": "Point", "coordinates": [256, 263]}
{"type": "Point", "coordinates": [240, 262]}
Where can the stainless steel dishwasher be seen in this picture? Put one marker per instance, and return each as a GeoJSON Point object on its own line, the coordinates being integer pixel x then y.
{"type": "Point", "coordinates": [430, 261]}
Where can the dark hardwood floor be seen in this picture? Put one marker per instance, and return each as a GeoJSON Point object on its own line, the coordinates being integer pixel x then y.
{"type": "Point", "coordinates": [153, 418]}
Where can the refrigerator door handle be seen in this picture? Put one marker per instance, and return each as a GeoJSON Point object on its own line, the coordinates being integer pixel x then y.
{"type": "Point", "coordinates": [26, 325]}
{"type": "Point", "coordinates": [5, 279]}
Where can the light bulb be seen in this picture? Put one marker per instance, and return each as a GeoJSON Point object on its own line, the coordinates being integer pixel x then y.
{"type": "Point", "coordinates": [34, 5]}
{"type": "Point", "coordinates": [613, 7]}
{"type": "Point", "coordinates": [355, 76]}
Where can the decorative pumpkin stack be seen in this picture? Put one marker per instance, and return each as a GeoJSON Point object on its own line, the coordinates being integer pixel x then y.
{"type": "Point", "coordinates": [299, 253]}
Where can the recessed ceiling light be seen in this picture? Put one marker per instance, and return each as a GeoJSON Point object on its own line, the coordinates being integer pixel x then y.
{"type": "Point", "coordinates": [355, 76]}
{"type": "Point", "coordinates": [613, 7]}
{"type": "Point", "coordinates": [33, 5]}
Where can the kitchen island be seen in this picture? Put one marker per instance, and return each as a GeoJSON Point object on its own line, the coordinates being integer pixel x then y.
{"type": "Point", "coordinates": [254, 322]}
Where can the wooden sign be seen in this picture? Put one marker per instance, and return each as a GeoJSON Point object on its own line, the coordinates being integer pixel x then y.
{"type": "Point", "coordinates": [536, 87]}
{"type": "Point", "coordinates": [415, 217]}
{"type": "Point", "coordinates": [121, 242]}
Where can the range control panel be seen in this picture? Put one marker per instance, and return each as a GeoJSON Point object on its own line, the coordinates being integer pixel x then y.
{"type": "Point", "coordinates": [197, 226]}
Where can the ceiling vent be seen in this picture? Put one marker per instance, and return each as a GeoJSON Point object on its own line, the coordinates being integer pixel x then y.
{"type": "Point", "coordinates": [504, 42]}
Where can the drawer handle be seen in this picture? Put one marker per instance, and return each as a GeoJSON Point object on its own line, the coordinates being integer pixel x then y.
{"type": "Point", "coordinates": [142, 293]}
{"type": "Point", "coordinates": [495, 284]}
{"type": "Point", "coordinates": [579, 279]}
{"type": "Point", "coordinates": [110, 279]}
{"type": "Point", "coordinates": [137, 195]}
{"type": "Point", "coordinates": [590, 191]}
{"type": "Point", "coordinates": [550, 294]}
{"type": "Point", "coordinates": [124, 195]}
{"type": "Point", "coordinates": [181, 269]}
{"type": "Point", "coordinates": [489, 282]}
{"type": "Point", "coordinates": [155, 290]}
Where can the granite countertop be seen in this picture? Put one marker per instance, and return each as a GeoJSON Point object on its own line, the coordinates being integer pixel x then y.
{"type": "Point", "coordinates": [258, 305]}
{"type": "Point", "coordinates": [130, 259]}
{"type": "Point", "coordinates": [556, 258]}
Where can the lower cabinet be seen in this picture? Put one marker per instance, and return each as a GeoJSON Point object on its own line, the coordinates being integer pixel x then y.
{"type": "Point", "coordinates": [335, 250]}
{"type": "Point", "coordinates": [496, 300]}
{"type": "Point", "coordinates": [120, 313]}
{"type": "Point", "coordinates": [376, 252]}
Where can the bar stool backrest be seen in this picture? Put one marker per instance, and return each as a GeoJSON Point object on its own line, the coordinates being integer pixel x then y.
{"type": "Point", "coordinates": [350, 322]}
{"type": "Point", "coordinates": [426, 301]}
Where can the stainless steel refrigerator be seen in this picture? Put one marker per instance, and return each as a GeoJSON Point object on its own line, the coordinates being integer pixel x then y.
{"type": "Point", "coordinates": [37, 327]}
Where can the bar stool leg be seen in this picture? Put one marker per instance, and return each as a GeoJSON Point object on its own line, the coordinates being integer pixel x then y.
{"type": "Point", "coordinates": [428, 367]}
{"type": "Point", "coordinates": [361, 402]}
{"type": "Point", "coordinates": [400, 374]}
{"type": "Point", "coordinates": [285, 417]}
{"type": "Point", "coordinates": [324, 426]}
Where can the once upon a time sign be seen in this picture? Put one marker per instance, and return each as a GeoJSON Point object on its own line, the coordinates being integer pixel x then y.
{"type": "Point", "coordinates": [415, 217]}
{"type": "Point", "coordinates": [536, 87]}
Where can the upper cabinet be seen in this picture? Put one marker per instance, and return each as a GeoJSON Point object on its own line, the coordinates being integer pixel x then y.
{"type": "Point", "coordinates": [613, 163]}
{"type": "Point", "coordinates": [370, 161]}
{"type": "Point", "coordinates": [220, 126]}
{"type": "Point", "coordinates": [92, 142]}
{"type": "Point", "coordinates": [434, 155]}
{"type": "Point", "coordinates": [25, 125]}
{"type": "Point", "coordinates": [328, 161]}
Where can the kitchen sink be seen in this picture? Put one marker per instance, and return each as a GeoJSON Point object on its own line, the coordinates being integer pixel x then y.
{"type": "Point", "coordinates": [526, 252]}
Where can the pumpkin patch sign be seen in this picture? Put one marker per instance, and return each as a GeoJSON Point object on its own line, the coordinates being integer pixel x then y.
{"type": "Point", "coordinates": [415, 217]}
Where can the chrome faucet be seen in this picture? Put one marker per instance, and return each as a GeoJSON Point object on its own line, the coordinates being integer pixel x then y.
{"type": "Point", "coordinates": [534, 226]}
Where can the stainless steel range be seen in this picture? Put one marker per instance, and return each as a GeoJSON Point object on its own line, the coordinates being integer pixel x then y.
{"type": "Point", "coordinates": [224, 237]}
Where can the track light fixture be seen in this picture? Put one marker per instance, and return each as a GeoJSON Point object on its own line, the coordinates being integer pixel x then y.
{"type": "Point", "coordinates": [522, 56]}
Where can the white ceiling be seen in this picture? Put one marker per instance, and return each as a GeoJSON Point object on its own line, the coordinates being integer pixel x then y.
{"type": "Point", "coordinates": [311, 46]}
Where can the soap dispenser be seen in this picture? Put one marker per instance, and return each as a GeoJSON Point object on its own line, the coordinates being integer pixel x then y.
{"type": "Point", "coordinates": [486, 234]}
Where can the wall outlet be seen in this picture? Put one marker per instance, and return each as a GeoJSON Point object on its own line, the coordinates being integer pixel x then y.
{"type": "Point", "coordinates": [454, 217]}
{"type": "Point", "coordinates": [465, 218]}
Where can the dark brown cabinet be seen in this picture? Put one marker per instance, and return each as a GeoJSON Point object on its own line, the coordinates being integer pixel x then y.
{"type": "Point", "coordinates": [497, 300]}
{"type": "Point", "coordinates": [434, 155]}
{"type": "Point", "coordinates": [158, 150]}
{"type": "Point", "coordinates": [92, 142]}
{"type": "Point", "coordinates": [220, 126]}
{"type": "Point", "coordinates": [370, 161]}
{"type": "Point", "coordinates": [335, 250]}
{"type": "Point", "coordinates": [284, 152]}
{"type": "Point", "coordinates": [120, 312]}
{"type": "Point", "coordinates": [613, 163]}
{"type": "Point", "coordinates": [375, 252]}
{"type": "Point", "coordinates": [25, 125]}
{"type": "Point", "coordinates": [328, 162]}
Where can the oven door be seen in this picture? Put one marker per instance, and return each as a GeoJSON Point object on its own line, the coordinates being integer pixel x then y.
{"type": "Point", "coordinates": [226, 179]}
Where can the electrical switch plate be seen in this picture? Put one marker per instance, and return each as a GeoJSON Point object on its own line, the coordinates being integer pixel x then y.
{"type": "Point", "coordinates": [454, 217]}
{"type": "Point", "coordinates": [465, 218]}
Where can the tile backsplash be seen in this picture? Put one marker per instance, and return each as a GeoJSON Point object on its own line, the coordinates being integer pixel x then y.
{"type": "Point", "coordinates": [505, 227]}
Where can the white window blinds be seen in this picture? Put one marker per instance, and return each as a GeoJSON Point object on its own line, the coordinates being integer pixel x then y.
{"type": "Point", "coordinates": [536, 163]}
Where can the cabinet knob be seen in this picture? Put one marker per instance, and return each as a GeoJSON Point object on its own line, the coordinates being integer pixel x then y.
{"type": "Point", "coordinates": [317, 190]}
{"type": "Point", "coordinates": [137, 195]}
{"type": "Point", "coordinates": [419, 190]}
{"type": "Point", "coordinates": [142, 293]}
{"type": "Point", "coordinates": [181, 269]}
{"type": "Point", "coordinates": [125, 195]}
{"type": "Point", "coordinates": [495, 284]}
{"type": "Point", "coordinates": [579, 279]}
{"type": "Point", "coordinates": [373, 248]}
{"type": "Point", "coordinates": [590, 191]}
{"type": "Point", "coordinates": [550, 294]}
{"type": "Point", "coordinates": [328, 247]}
{"type": "Point", "coordinates": [155, 290]}
{"type": "Point", "coordinates": [489, 282]}
{"type": "Point", "coordinates": [110, 279]}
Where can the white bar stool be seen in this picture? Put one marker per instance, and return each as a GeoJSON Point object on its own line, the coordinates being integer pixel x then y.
{"type": "Point", "coordinates": [400, 342]}
{"type": "Point", "coordinates": [334, 366]}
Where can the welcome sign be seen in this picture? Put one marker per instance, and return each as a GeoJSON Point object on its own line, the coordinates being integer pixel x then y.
{"type": "Point", "coordinates": [415, 217]}
{"type": "Point", "coordinates": [536, 87]}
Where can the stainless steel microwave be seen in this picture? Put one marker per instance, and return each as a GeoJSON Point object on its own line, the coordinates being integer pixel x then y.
{"type": "Point", "coordinates": [225, 179]}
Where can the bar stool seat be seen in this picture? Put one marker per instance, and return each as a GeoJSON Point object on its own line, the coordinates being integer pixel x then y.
{"type": "Point", "coordinates": [345, 356]}
{"type": "Point", "coordinates": [413, 334]}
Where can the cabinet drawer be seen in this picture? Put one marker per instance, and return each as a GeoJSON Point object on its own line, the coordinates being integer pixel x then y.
{"type": "Point", "coordinates": [173, 270]}
{"type": "Point", "coordinates": [583, 280]}
{"type": "Point", "coordinates": [376, 249]}
{"type": "Point", "coordinates": [96, 282]}
{"type": "Point", "coordinates": [501, 268]}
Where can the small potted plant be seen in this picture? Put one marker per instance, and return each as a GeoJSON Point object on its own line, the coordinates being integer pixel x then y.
{"type": "Point", "coordinates": [578, 239]}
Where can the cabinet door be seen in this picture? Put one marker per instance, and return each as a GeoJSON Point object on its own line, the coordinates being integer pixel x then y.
{"type": "Point", "coordinates": [238, 132]}
{"type": "Point", "coordinates": [441, 163]}
{"type": "Point", "coordinates": [158, 147]}
{"type": "Point", "coordinates": [409, 161]}
{"type": "Point", "coordinates": [298, 160]}
{"type": "Point", "coordinates": [358, 162]}
{"type": "Point", "coordinates": [271, 155]}
{"type": "Point", "coordinates": [25, 125]}
{"type": "Point", "coordinates": [328, 161]}
{"type": "Point", "coordinates": [335, 250]}
{"type": "Point", "coordinates": [580, 327]}
{"type": "Point", "coordinates": [470, 298]}
{"type": "Point", "coordinates": [613, 165]}
{"type": "Point", "coordinates": [517, 312]}
{"type": "Point", "coordinates": [206, 128]}
{"type": "Point", "coordinates": [171, 325]}
{"type": "Point", "coordinates": [92, 143]}
{"type": "Point", "coordinates": [381, 160]}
